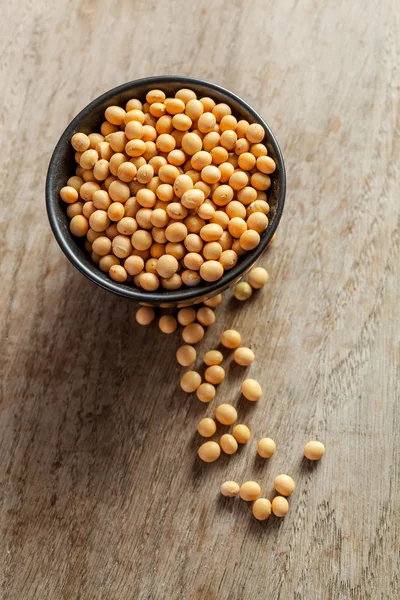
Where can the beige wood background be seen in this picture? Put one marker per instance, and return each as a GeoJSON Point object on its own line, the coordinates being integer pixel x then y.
{"type": "Point", "coordinates": [101, 494]}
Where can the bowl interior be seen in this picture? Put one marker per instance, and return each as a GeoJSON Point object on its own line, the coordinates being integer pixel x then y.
{"type": "Point", "coordinates": [63, 165]}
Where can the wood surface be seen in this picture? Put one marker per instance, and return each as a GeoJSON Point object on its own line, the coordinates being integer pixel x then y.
{"type": "Point", "coordinates": [101, 493]}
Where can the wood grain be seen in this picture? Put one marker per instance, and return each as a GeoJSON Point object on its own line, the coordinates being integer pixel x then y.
{"type": "Point", "coordinates": [101, 494]}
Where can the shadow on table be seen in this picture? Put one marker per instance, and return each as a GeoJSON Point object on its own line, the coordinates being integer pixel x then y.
{"type": "Point", "coordinates": [99, 412]}
{"type": "Point", "coordinates": [96, 395]}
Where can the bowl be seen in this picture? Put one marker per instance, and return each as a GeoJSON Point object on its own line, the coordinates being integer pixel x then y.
{"type": "Point", "coordinates": [62, 166]}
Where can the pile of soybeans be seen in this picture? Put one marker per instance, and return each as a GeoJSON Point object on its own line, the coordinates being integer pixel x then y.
{"type": "Point", "coordinates": [193, 322]}
{"type": "Point", "coordinates": [170, 192]}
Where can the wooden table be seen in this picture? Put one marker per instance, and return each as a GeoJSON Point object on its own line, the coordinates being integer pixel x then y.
{"type": "Point", "coordinates": [102, 496]}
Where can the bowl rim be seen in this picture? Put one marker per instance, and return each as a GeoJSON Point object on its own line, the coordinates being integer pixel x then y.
{"type": "Point", "coordinates": [168, 296]}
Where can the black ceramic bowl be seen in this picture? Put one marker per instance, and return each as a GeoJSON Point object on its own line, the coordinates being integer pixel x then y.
{"type": "Point", "coordinates": [62, 166]}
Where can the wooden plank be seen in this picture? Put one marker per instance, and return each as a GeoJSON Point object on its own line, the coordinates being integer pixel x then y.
{"type": "Point", "coordinates": [101, 493]}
